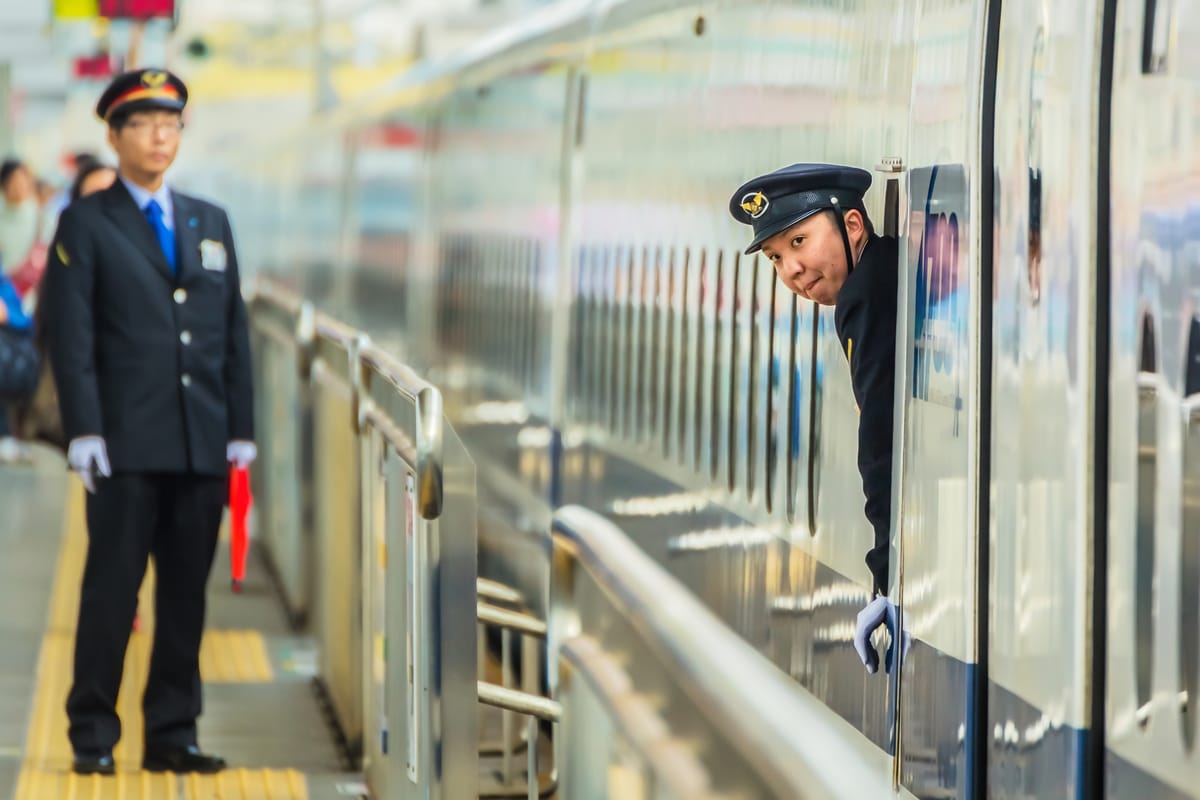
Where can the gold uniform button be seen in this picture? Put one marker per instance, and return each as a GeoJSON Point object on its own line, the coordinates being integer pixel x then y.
{"type": "Point", "coordinates": [186, 380]}
{"type": "Point", "coordinates": [186, 337]}
{"type": "Point", "coordinates": [180, 296]}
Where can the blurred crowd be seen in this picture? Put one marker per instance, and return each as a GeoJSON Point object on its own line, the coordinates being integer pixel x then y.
{"type": "Point", "coordinates": [28, 217]}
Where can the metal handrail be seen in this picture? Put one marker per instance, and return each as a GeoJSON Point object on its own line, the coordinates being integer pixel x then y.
{"type": "Point", "coordinates": [798, 746]}
{"type": "Point", "coordinates": [513, 620]}
{"type": "Point", "coordinates": [497, 592]}
{"type": "Point", "coordinates": [373, 476]}
{"type": "Point", "coordinates": [425, 395]}
{"type": "Point", "coordinates": [428, 401]}
{"type": "Point", "coordinates": [521, 702]}
{"type": "Point", "coordinates": [678, 766]}
{"type": "Point", "coordinates": [275, 295]}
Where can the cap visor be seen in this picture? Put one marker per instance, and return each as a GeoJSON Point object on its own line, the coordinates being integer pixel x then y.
{"type": "Point", "coordinates": [774, 230]}
{"type": "Point", "coordinates": [148, 104]}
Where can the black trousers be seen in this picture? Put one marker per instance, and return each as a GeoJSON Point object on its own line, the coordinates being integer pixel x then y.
{"type": "Point", "coordinates": [174, 519]}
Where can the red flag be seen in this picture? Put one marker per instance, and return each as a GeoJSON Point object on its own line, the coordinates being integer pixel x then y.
{"type": "Point", "coordinates": [240, 501]}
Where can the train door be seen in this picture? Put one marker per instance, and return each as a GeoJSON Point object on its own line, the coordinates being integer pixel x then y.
{"type": "Point", "coordinates": [942, 421]}
{"type": "Point", "coordinates": [1152, 388]}
{"type": "Point", "coordinates": [1045, 241]}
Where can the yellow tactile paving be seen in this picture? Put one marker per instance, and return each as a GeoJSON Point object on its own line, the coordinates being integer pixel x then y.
{"type": "Point", "coordinates": [234, 657]}
{"type": "Point", "coordinates": [225, 656]}
{"type": "Point", "coordinates": [239, 784]}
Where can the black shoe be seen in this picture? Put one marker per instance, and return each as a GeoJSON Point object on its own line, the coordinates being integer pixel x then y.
{"type": "Point", "coordinates": [94, 764]}
{"type": "Point", "coordinates": [181, 759]}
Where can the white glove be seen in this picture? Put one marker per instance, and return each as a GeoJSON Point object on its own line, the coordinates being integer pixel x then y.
{"type": "Point", "coordinates": [240, 453]}
{"type": "Point", "coordinates": [88, 457]}
{"type": "Point", "coordinates": [879, 611]}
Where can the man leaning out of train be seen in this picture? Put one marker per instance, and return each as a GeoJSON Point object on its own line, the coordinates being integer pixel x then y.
{"type": "Point", "coordinates": [810, 223]}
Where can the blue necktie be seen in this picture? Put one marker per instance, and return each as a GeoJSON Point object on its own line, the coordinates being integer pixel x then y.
{"type": "Point", "coordinates": [166, 237]}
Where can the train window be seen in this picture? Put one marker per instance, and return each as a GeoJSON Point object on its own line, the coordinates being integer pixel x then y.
{"type": "Point", "coordinates": [751, 409]}
{"type": "Point", "coordinates": [731, 444]}
{"type": "Point", "coordinates": [1147, 484]}
{"type": "Point", "coordinates": [698, 388]}
{"type": "Point", "coordinates": [668, 351]}
{"type": "Point", "coordinates": [517, 321]}
{"type": "Point", "coordinates": [635, 352]}
{"type": "Point", "coordinates": [1189, 537]}
{"type": "Point", "coordinates": [715, 370]}
{"type": "Point", "coordinates": [511, 319]}
{"type": "Point", "coordinates": [579, 360]}
{"type": "Point", "coordinates": [680, 308]}
{"type": "Point", "coordinates": [593, 338]}
{"type": "Point", "coordinates": [792, 444]}
{"type": "Point", "coordinates": [503, 347]}
{"type": "Point", "coordinates": [616, 313]}
{"type": "Point", "coordinates": [651, 333]}
{"type": "Point", "coordinates": [534, 344]}
{"type": "Point", "coordinates": [1191, 367]}
{"type": "Point", "coordinates": [772, 424]}
{"type": "Point", "coordinates": [816, 395]}
{"type": "Point", "coordinates": [626, 293]}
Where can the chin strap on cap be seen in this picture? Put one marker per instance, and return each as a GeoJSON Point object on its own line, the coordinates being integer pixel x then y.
{"type": "Point", "coordinates": [841, 224]}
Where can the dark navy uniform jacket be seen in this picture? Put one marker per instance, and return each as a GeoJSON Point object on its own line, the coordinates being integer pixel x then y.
{"type": "Point", "coordinates": [865, 318]}
{"type": "Point", "coordinates": [157, 364]}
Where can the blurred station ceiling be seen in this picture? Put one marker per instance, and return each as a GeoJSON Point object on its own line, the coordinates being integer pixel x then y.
{"type": "Point", "coordinates": [253, 67]}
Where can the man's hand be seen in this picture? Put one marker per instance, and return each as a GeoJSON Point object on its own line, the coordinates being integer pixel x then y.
{"type": "Point", "coordinates": [879, 611]}
{"type": "Point", "coordinates": [88, 457]}
{"type": "Point", "coordinates": [241, 453]}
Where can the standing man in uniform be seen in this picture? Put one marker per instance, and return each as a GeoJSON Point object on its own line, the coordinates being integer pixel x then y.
{"type": "Point", "coordinates": [810, 223]}
{"type": "Point", "coordinates": [150, 353]}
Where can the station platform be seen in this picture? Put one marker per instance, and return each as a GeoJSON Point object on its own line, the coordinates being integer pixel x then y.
{"type": "Point", "coordinates": [262, 711]}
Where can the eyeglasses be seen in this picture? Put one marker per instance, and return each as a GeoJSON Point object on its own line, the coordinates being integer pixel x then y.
{"type": "Point", "coordinates": [142, 127]}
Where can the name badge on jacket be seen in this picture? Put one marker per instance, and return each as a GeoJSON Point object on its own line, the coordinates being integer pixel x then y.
{"type": "Point", "coordinates": [212, 255]}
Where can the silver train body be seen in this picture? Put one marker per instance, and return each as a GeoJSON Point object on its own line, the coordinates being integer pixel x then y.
{"type": "Point", "coordinates": [540, 226]}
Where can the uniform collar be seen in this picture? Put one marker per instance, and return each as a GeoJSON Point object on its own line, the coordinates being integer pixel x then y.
{"type": "Point", "coordinates": [162, 197]}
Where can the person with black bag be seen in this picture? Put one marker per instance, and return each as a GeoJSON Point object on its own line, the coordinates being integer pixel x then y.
{"type": "Point", "coordinates": [36, 417]}
{"type": "Point", "coordinates": [19, 367]}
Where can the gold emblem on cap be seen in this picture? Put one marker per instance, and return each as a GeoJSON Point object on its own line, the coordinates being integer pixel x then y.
{"type": "Point", "coordinates": [153, 79]}
{"type": "Point", "coordinates": [755, 204]}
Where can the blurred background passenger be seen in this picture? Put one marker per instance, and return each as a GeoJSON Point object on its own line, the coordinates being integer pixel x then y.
{"type": "Point", "coordinates": [15, 321]}
{"type": "Point", "coordinates": [92, 177]}
{"type": "Point", "coordinates": [45, 191]}
{"type": "Point", "coordinates": [75, 164]}
{"type": "Point", "coordinates": [19, 225]}
{"type": "Point", "coordinates": [36, 417]}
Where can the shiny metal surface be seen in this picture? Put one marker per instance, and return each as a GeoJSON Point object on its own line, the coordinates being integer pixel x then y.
{"type": "Point", "coordinates": [337, 534]}
{"type": "Point", "coordinates": [644, 759]}
{"type": "Point", "coordinates": [1155, 294]}
{"type": "Point", "coordinates": [1041, 530]}
{"type": "Point", "coordinates": [512, 620]}
{"type": "Point", "coordinates": [738, 709]}
{"type": "Point", "coordinates": [518, 701]}
{"type": "Point", "coordinates": [401, 380]}
{"type": "Point", "coordinates": [394, 529]}
{"type": "Point", "coordinates": [553, 252]}
{"type": "Point", "coordinates": [935, 489]}
{"type": "Point", "coordinates": [277, 473]}
{"type": "Point", "coordinates": [497, 592]}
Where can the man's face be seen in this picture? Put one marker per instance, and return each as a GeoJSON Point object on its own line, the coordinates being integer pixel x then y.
{"type": "Point", "coordinates": [148, 141]}
{"type": "Point", "coordinates": [809, 257]}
